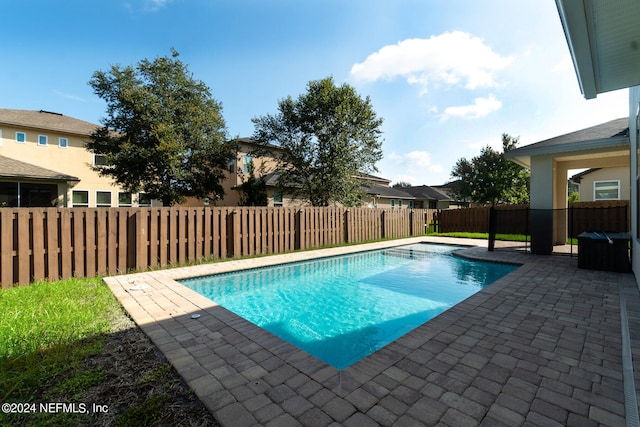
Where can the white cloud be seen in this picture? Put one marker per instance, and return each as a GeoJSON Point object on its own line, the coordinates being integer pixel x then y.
{"type": "Point", "coordinates": [481, 107]}
{"type": "Point", "coordinates": [454, 58]}
{"type": "Point", "coordinates": [562, 66]}
{"type": "Point", "coordinates": [415, 167]}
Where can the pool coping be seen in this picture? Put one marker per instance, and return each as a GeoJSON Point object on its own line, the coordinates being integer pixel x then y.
{"type": "Point", "coordinates": [247, 376]}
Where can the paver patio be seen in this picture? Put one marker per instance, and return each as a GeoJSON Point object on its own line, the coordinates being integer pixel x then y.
{"type": "Point", "coordinates": [544, 345]}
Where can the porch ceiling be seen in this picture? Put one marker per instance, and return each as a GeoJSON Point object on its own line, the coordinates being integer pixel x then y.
{"type": "Point", "coordinates": [604, 40]}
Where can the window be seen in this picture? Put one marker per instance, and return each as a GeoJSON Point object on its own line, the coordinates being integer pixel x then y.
{"type": "Point", "coordinates": [246, 163]}
{"type": "Point", "coordinates": [43, 140]}
{"type": "Point", "coordinates": [606, 190]}
{"type": "Point", "coordinates": [144, 199]}
{"type": "Point", "coordinates": [98, 160]}
{"type": "Point", "coordinates": [277, 198]}
{"type": "Point", "coordinates": [21, 137]}
{"type": "Point", "coordinates": [80, 199]}
{"type": "Point", "coordinates": [399, 203]}
{"type": "Point", "coordinates": [103, 199]}
{"type": "Point", "coordinates": [38, 195]}
{"type": "Point", "coordinates": [410, 204]}
{"type": "Point", "coordinates": [0, 137]}
{"type": "Point", "coordinates": [393, 203]}
{"type": "Point", "coordinates": [8, 194]}
{"type": "Point", "coordinates": [63, 142]}
{"type": "Point", "coordinates": [124, 199]}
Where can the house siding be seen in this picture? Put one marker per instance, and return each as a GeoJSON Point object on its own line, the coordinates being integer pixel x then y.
{"type": "Point", "coordinates": [72, 160]}
{"type": "Point", "coordinates": [620, 174]}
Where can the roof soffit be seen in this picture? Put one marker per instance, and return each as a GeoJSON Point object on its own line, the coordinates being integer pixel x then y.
{"type": "Point", "coordinates": [604, 41]}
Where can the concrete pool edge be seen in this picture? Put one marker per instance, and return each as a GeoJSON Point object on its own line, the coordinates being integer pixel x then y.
{"type": "Point", "coordinates": [246, 376]}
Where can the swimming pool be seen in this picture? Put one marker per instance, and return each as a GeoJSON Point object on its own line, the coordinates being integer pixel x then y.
{"type": "Point", "coordinates": [341, 309]}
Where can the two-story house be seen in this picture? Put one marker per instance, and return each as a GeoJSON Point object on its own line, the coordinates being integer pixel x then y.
{"type": "Point", "coordinates": [376, 191]}
{"type": "Point", "coordinates": [43, 163]}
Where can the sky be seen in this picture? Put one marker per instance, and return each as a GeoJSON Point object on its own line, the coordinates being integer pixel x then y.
{"type": "Point", "coordinates": [448, 77]}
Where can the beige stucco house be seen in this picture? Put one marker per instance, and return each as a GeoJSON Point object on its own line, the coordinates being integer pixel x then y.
{"type": "Point", "coordinates": [43, 163]}
{"type": "Point", "coordinates": [603, 39]}
{"type": "Point", "coordinates": [602, 184]}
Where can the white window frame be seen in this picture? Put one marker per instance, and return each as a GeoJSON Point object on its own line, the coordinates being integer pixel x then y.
{"type": "Point", "coordinates": [279, 203]}
{"type": "Point", "coordinates": [42, 138]}
{"type": "Point", "coordinates": [393, 203]}
{"type": "Point", "coordinates": [104, 205]}
{"type": "Point", "coordinates": [97, 155]}
{"type": "Point", "coordinates": [608, 181]}
{"type": "Point", "coordinates": [61, 144]}
{"type": "Point", "coordinates": [246, 160]}
{"type": "Point", "coordinates": [24, 137]}
{"type": "Point", "coordinates": [79, 205]}
{"type": "Point", "coordinates": [127, 205]}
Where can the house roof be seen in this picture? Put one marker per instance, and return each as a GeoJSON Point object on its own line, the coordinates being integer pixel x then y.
{"type": "Point", "coordinates": [46, 120]}
{"type": "Point", "coordinates": [578, 177]}
{"type": "Point", "coordinates": [387, 192]}
{"type": "Point", "coordinates": [603, 38]}
{"type": "Point", "coordinates": [612, 135]}
{"type": "Point", "coordinates": [11, 168]}
{"type": "Point", "coordinates": [426, 192]}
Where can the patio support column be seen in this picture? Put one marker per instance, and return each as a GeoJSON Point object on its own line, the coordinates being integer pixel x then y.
{"type": "Point", "coordinates": [634, 120]}
{"type": "Point", "coordinates": [560, 203]}
{"type": "Point", "coordinates": [541, 196]}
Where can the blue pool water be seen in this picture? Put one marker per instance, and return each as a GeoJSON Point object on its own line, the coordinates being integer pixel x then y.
{"type": "Point", "coordinates": [342, 309]}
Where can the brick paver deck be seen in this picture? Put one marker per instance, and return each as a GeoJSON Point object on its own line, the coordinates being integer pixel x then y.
{"type": "Point", "coordinates": [541, 346]}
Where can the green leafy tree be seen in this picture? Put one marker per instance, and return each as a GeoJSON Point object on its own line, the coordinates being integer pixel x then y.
{"type": "Point", "coordinates": [329, 135]}
{"type": "Point", "coordinates": [164, 134]}
{"type": "Point", "coordinates": [254, 190]}
{"type": "Point", "coordinates": [490, 178]}
{"type": "Point", "coordinates": [401, 184]}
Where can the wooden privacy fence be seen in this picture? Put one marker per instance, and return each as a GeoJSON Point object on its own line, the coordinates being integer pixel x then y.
{"type": "Point", "coordinates": [515, 219]}
{"type": "Point", "coordinates": [53, 243]}
{"type": "Point", "coordinates": [476, 220]}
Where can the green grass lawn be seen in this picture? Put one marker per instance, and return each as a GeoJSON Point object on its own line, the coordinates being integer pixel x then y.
{"type": "Point", "coordinates": [71, 342]}
{"type": "Point", "coordinates": [484, 236]}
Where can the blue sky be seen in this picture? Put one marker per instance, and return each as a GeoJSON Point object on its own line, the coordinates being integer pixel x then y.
{"type": "Point", "coordinates": [447, 76]}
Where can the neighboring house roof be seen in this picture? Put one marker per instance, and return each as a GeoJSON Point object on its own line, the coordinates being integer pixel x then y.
{"type": "Point", "coordinates": [610, 135]}
{"type": "Point", "coordinates": [373, 179]}
{"type": "Point", "coordinates": [46, 120]}
{"type": "Point", "coordinates": [426, 192]}
{"type": "Point", "coordinates": [578, 177]}
{"type": "Point", "coordinates": [11, 168]}
{"type": "Point", "coordinates": [385, 191]}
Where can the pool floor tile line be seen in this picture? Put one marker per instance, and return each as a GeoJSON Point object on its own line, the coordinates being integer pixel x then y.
{"type": "Point", "coordinates": [541, 346]}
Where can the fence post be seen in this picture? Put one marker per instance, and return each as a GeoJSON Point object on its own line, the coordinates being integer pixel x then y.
{"type": "Point", "coordinates": [140, 233]}
{"type": "Point", "coordinates": [6, 247]}
{"type": "Point", "coordinates": [235, 226]}
{"type": "Point", "coordinates": [346, 226]}
{"type": "Point", "coordinates": [411, 222]}
{"type": "Point", "coordinates": [492, 228]}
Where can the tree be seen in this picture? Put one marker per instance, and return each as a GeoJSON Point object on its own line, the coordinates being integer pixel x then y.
{"type": "Point", "coordinates": [329, 136]}
{"type": "Point", "coordinates": [491, 178]}
{"type": "Point", "coordinates": [401, 184]}
{"type": "Point", "coordinates": [164, 134]}
{"type": "Point", "coordinates": [254, 190]}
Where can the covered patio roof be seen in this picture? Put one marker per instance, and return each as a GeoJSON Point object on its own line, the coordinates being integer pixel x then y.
{"type": "Point", "coordinates": [604, 40]}
{"type": "Point", "coordinates": [15, 169]}
{"type": "Point", "coordinates": [606, 144]}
